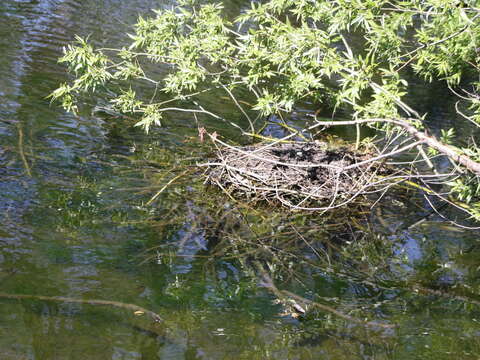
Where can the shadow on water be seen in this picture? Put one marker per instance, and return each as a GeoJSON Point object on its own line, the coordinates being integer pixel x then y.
{"type": "Point", "coordinates": [86, 213]}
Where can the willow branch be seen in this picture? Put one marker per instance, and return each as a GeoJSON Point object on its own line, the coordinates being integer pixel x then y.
{"type": "Point", "coordinates": [448, 150]}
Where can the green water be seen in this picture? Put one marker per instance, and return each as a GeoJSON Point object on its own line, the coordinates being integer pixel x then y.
{"type": "Point", "coordinates": [75, 222]}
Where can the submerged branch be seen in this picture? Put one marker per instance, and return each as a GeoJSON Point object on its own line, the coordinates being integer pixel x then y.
{"type": "Point", "coordinates": [21, 151]}
{"type": "Point", "coordinates": [287, 295]}
{"type": "Point", "coordinates": [138, 310]}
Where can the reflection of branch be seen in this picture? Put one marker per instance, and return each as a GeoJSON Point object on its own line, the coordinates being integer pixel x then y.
{"type": "Point", "coordinates": [135, 308]}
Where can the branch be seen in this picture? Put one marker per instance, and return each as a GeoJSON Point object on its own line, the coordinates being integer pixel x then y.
{"type": "Point", "coordinates": [132, 307]}
{"type": "Point", "coordinates": [285, 295]}
{"type": "Point", "coordinates": [431, 141]}
{"type": "Point", "coordinates": [389, 154]}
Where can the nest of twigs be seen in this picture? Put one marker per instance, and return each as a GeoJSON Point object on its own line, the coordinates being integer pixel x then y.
{"type": "Point", "coordinates": [296, 174]}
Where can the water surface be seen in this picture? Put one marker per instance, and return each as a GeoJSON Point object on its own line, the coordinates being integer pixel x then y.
{"type": "Point", "coordinates": [74, 222]}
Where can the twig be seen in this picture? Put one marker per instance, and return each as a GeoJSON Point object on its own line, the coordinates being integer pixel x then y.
{"type": "Point", "coordinates": [423, 46]}
{"type": "Point", "coordinates": [165, 186]}
{"type": "Point", "coordinates": [252, 128]}
{"type": "Point", "coordinates": [401, 150]}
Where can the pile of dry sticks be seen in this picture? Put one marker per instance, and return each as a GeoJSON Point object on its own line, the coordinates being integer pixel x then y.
{"type": "Point", "coordinates": [300, 175]}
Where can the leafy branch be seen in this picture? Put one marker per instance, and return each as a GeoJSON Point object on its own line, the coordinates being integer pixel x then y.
{"type": "Point", "coordinates": [355, 55]}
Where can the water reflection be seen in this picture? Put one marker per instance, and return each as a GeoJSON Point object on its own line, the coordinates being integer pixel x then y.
{"type": "Point", "coordinates": [73, 222]}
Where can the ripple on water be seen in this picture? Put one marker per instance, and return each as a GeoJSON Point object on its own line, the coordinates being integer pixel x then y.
{"type": "Point", "coordinates": [57, 229]}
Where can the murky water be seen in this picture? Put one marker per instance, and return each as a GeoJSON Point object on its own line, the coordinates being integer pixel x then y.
{"type": "Point", "coordinates": [76, 222]}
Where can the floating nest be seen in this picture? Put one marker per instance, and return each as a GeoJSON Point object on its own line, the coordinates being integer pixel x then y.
{"type": "Point", "coordinates": [296, 174]}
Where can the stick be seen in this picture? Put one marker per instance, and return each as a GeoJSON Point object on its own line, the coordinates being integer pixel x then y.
{"type": "Point", "coordinates": [448, 150]}
{"type": "Point", "coordinates": [283, 295]}
{"type": "Point", "coordinates": [165, 186]}
{"type": "Point", "coordinates": [22, 152]}
{"type": "Point", "coordinates": [138, 310]}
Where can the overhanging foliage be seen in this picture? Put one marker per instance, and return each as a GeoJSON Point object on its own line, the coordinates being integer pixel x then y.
{"type": "Point", "coordinates": [352, 54]}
